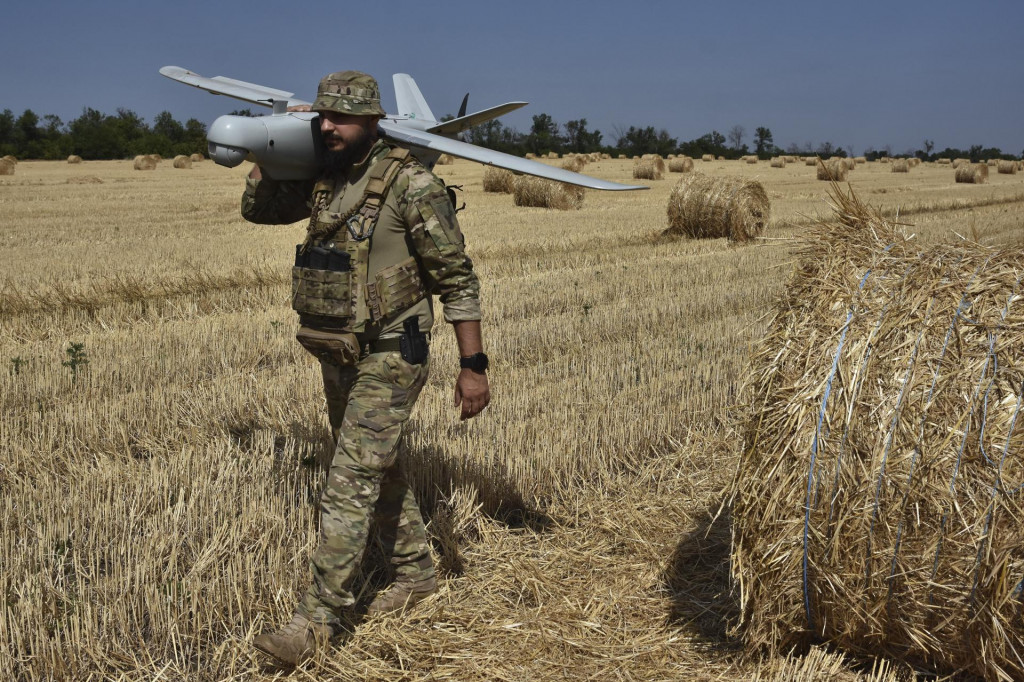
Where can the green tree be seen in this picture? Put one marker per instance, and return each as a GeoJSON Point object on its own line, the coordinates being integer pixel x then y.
{"type": "Point", "coordinates": [764, 144]}
{"type": "Point", "coordinates": [639, 141]}
{"type": "Point", "coordinates": [580, 140]}
{"type": "Point", "coordinates": [543, 136]}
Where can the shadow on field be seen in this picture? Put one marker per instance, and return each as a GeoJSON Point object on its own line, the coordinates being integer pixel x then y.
{"type": "Point", "coordinates": [697, 578]}
{"type": "Point", "coordinates": [453, 493]}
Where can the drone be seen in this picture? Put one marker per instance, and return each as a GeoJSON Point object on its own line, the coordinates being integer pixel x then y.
{"type": "Point", "coordinates": [288, 146]}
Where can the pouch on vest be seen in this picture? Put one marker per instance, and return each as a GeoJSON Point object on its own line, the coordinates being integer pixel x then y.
{"type": "Point", "coordinates": [396, 288]}
{"type": "Point", "coordinates": [322, 282]}
{"type": "Point", "coordinates": [337, 348]}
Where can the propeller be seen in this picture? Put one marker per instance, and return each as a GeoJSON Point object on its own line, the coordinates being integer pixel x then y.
{"type": "Point", "coordinates": [462, 109]}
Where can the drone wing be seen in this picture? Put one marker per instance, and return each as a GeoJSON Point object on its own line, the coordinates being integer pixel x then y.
{"type": "Point", "coordinates": [444, 145]}
{"type": "Point", "coordinates": [221, 85]}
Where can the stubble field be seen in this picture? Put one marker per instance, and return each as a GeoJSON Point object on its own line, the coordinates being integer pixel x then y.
{"type": "Point", "coordinates": [163, 437]}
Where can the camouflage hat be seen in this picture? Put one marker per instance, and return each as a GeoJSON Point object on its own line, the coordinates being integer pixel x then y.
{"type": "Point", "coordinates": [348, 92]}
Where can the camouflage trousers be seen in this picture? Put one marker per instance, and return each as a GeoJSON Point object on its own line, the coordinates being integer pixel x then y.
{"type": "Point", "coordinates": [366, 500]}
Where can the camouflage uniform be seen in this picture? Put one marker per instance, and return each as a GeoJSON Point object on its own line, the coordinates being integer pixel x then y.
{"type": "Point", "coordinates": [366, 497]}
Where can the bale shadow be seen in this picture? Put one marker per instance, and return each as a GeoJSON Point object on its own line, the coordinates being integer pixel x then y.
{"type": "Point", "coordinates": [697, 580]}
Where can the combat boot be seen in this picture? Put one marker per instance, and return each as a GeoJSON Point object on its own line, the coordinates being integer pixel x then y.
{"type": "Point", "coordinates": [295, 642]}
{"type": "Point", "coordinates": [403, 594]}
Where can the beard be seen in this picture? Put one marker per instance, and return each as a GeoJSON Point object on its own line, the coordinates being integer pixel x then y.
{"type": "Point", "coordinates": [340, 161]}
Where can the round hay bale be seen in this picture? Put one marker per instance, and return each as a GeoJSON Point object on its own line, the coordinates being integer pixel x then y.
{"type": "Point", "coordinates": [991, 162]}
{"type": "Point", "coordinates": [832, 170]}
{"type": "Point", "coordinates": [972, 173]}
{"type": "Point", "coordinates": [658, 161]}
{"type": "Point", "coordinates": [144, 163]}
{"type": "Point", "coordinates": [532, 191]}
{"type": "Point", "coordinates": [197, 158]}
{"type": "Point", "coordinates": [182, 161]}
{"type": "Point", "coordinates": [573, 163]}
{"type": "Point", "coordinates": [12, 159]}
{"type": "Point", "coordinates": [959, 162]}
{"type": "Point", "coordinates": [811, 161]}
{"type": "Point", "coordinates": [708, 157]}
{"type": "Point", "coordinates": [445, 160]}
{"type": "Point", "coordinates": [646, 169]}
{"type": "Point", "coordinates": [944, 162]}
{"type": "Point", "coordinates": [622, 156]}
{"type": "Point", "coordinates": [751, 159]}
{"type": "Point", "coordinates": [884, 159]}
{"type": "Point", "coordinates": [531, 155]}
{"type": "Point", "coordinates": [721, 158]}
{"type": "Point", "coordinates": [850, 164]}
{"type": "Point", "coordinates": [498, 180]}
{"type": "Point", "coordinates": [7, 166]}
{"type": "Point", "coordinates": [604, 156]}
{"type": "Point", "coordinates": [900, 166]}
{"type": "Point", "coordinates": [703, 206]}
{"type": "Point", "coordinates": [914, 161]}
{"type": "Point", "coordinates": [155, 157]}
{"type": "Point", "coordinates": [74, 158]}
{"type": "Point", "coordinates": [877, 504]}
{"type": "Point", "coordinates": [680, 164]}
{"type": "Point", "coordinates": [1007, 167]}
{"type": "Point", "coordinates": [860, 159]}
{"type": "Point", "coordinates": [553, 155]}
{"type": "Point", "coordinates": [778, 162]}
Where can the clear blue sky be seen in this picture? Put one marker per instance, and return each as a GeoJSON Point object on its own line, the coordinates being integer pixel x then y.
{"type": "Point", "coordinates": [858, 74]}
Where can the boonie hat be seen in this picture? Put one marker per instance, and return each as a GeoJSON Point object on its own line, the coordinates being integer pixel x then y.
{"type": "Point", "coordinates": [348, 92]}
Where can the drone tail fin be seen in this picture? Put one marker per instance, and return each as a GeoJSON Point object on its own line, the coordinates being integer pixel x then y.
{"type": "Point", "coordinates": [410, 100]}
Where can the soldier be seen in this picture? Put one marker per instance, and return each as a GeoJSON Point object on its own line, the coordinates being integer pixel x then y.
{"type": "Point", "coordinates": [382, 237]}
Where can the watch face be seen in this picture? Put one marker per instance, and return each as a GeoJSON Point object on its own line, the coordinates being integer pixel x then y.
{"type": "Point", "coordinates": [477, 362]}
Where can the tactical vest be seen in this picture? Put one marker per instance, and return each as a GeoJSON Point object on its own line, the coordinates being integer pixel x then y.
{"type": "Point", "coordinates": [331, 286]}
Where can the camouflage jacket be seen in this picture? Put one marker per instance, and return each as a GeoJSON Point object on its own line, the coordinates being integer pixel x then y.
{"type": "Point", "coordinates": [416, 219]}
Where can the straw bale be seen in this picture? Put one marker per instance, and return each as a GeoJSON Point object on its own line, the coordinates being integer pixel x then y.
{"type": "Point", "coordinates": [914, 161]}
{"type": "Point", "coordinates": [74, 158]}
{"type": "Point", "coordinates": [884, 159]}
{"type": "Point", "coordinates": [832, 170]}
{"type": "Point", "coordinates": [445, 160]}
{"type": "Point", "coordinates": [622, 156]}
{"type": "Point", "coordinates": [7, 166]}
{"type": "Point", "coordinates": [553, 155]}
{"type": "Point", "coordinates": [197, 157]}
{"type": "Point", "coordinates": [704, 206]}
{"type": "Point", "coordinates": [155, 157]}
{"type": "Point", "coordinates": [972, 173]}
{"type": "Point", "coordinates": [658, 161]}
{"type": "Point", "coordinates": [604, 156]}
{"type": "Point", "coordinates": [708, 157]}
{"type": "Point", "coordinates": [182, 161]}
{"type": "Point", "coordinates": [531, 191]}
{"type": "Point", "coordinates": [680, 164]}
{"type": "Point", "coordinates": [779, 162]}
{"type": "Point", "coordinates": [573, 163]}
{"type": "Point", "coordinates": [12, 159]}
{"type": "Point", "coordinates": [531, 155]}
{"type": "Point", "coordinates": [791, 159]}
{"type": "Point", "coordinates": [900, 166]}
{"type": "Point", "coordinates": [849, 163]}
{"type": "Point", "coordinates": [498, 180]}
{"type": "Point", "coordinates": [670, 157]}
{"type": "Point", "coordinates": [646, 169]}
{"type": "Point", "coordinates": [1007, 167]}
{"type": "Point", "coordinates": [811, 161]}
{"type": "Point", "coordinates": [877, 505]}
{"type": "Point", "coordinates": [752, 159]}
{"type": "Point", "coordinates": [944, 162]}
{"type": "Point", "coordinates": [860, 159]}
{"type": "Point", "coordinates": [991, 162]}
{"type": "Point", "coordinates": [144, 163]}
{"type": "Point", "coordinates": [959, 162]}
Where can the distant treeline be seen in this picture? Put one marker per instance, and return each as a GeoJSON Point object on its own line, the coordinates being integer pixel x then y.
{"type": "Point", "coordinates": [95, 135]}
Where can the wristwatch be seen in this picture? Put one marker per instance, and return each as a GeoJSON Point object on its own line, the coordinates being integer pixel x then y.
{"type": "Point", "coordinates": [477, 362]}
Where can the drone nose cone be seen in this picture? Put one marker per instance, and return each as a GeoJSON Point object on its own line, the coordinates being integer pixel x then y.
{"type": "Point", "coordinates": [224, 155]}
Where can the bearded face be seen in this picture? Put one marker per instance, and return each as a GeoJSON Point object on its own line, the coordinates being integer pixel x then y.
{"type": "Point", "coordinates": [348, 139]}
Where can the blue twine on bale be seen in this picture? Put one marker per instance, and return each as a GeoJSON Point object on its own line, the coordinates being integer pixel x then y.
{"type": "Point", "coordinates": [814, 446]}
{"type": "Point", "coordinates": [924, 418]}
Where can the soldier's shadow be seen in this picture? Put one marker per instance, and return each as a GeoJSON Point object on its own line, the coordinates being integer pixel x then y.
{"type": "Point", "coordinates": [697, 580]}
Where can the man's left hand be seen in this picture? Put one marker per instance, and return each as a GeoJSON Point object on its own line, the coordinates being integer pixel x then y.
{"type": "Point", "coordinates": [472, 392]}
